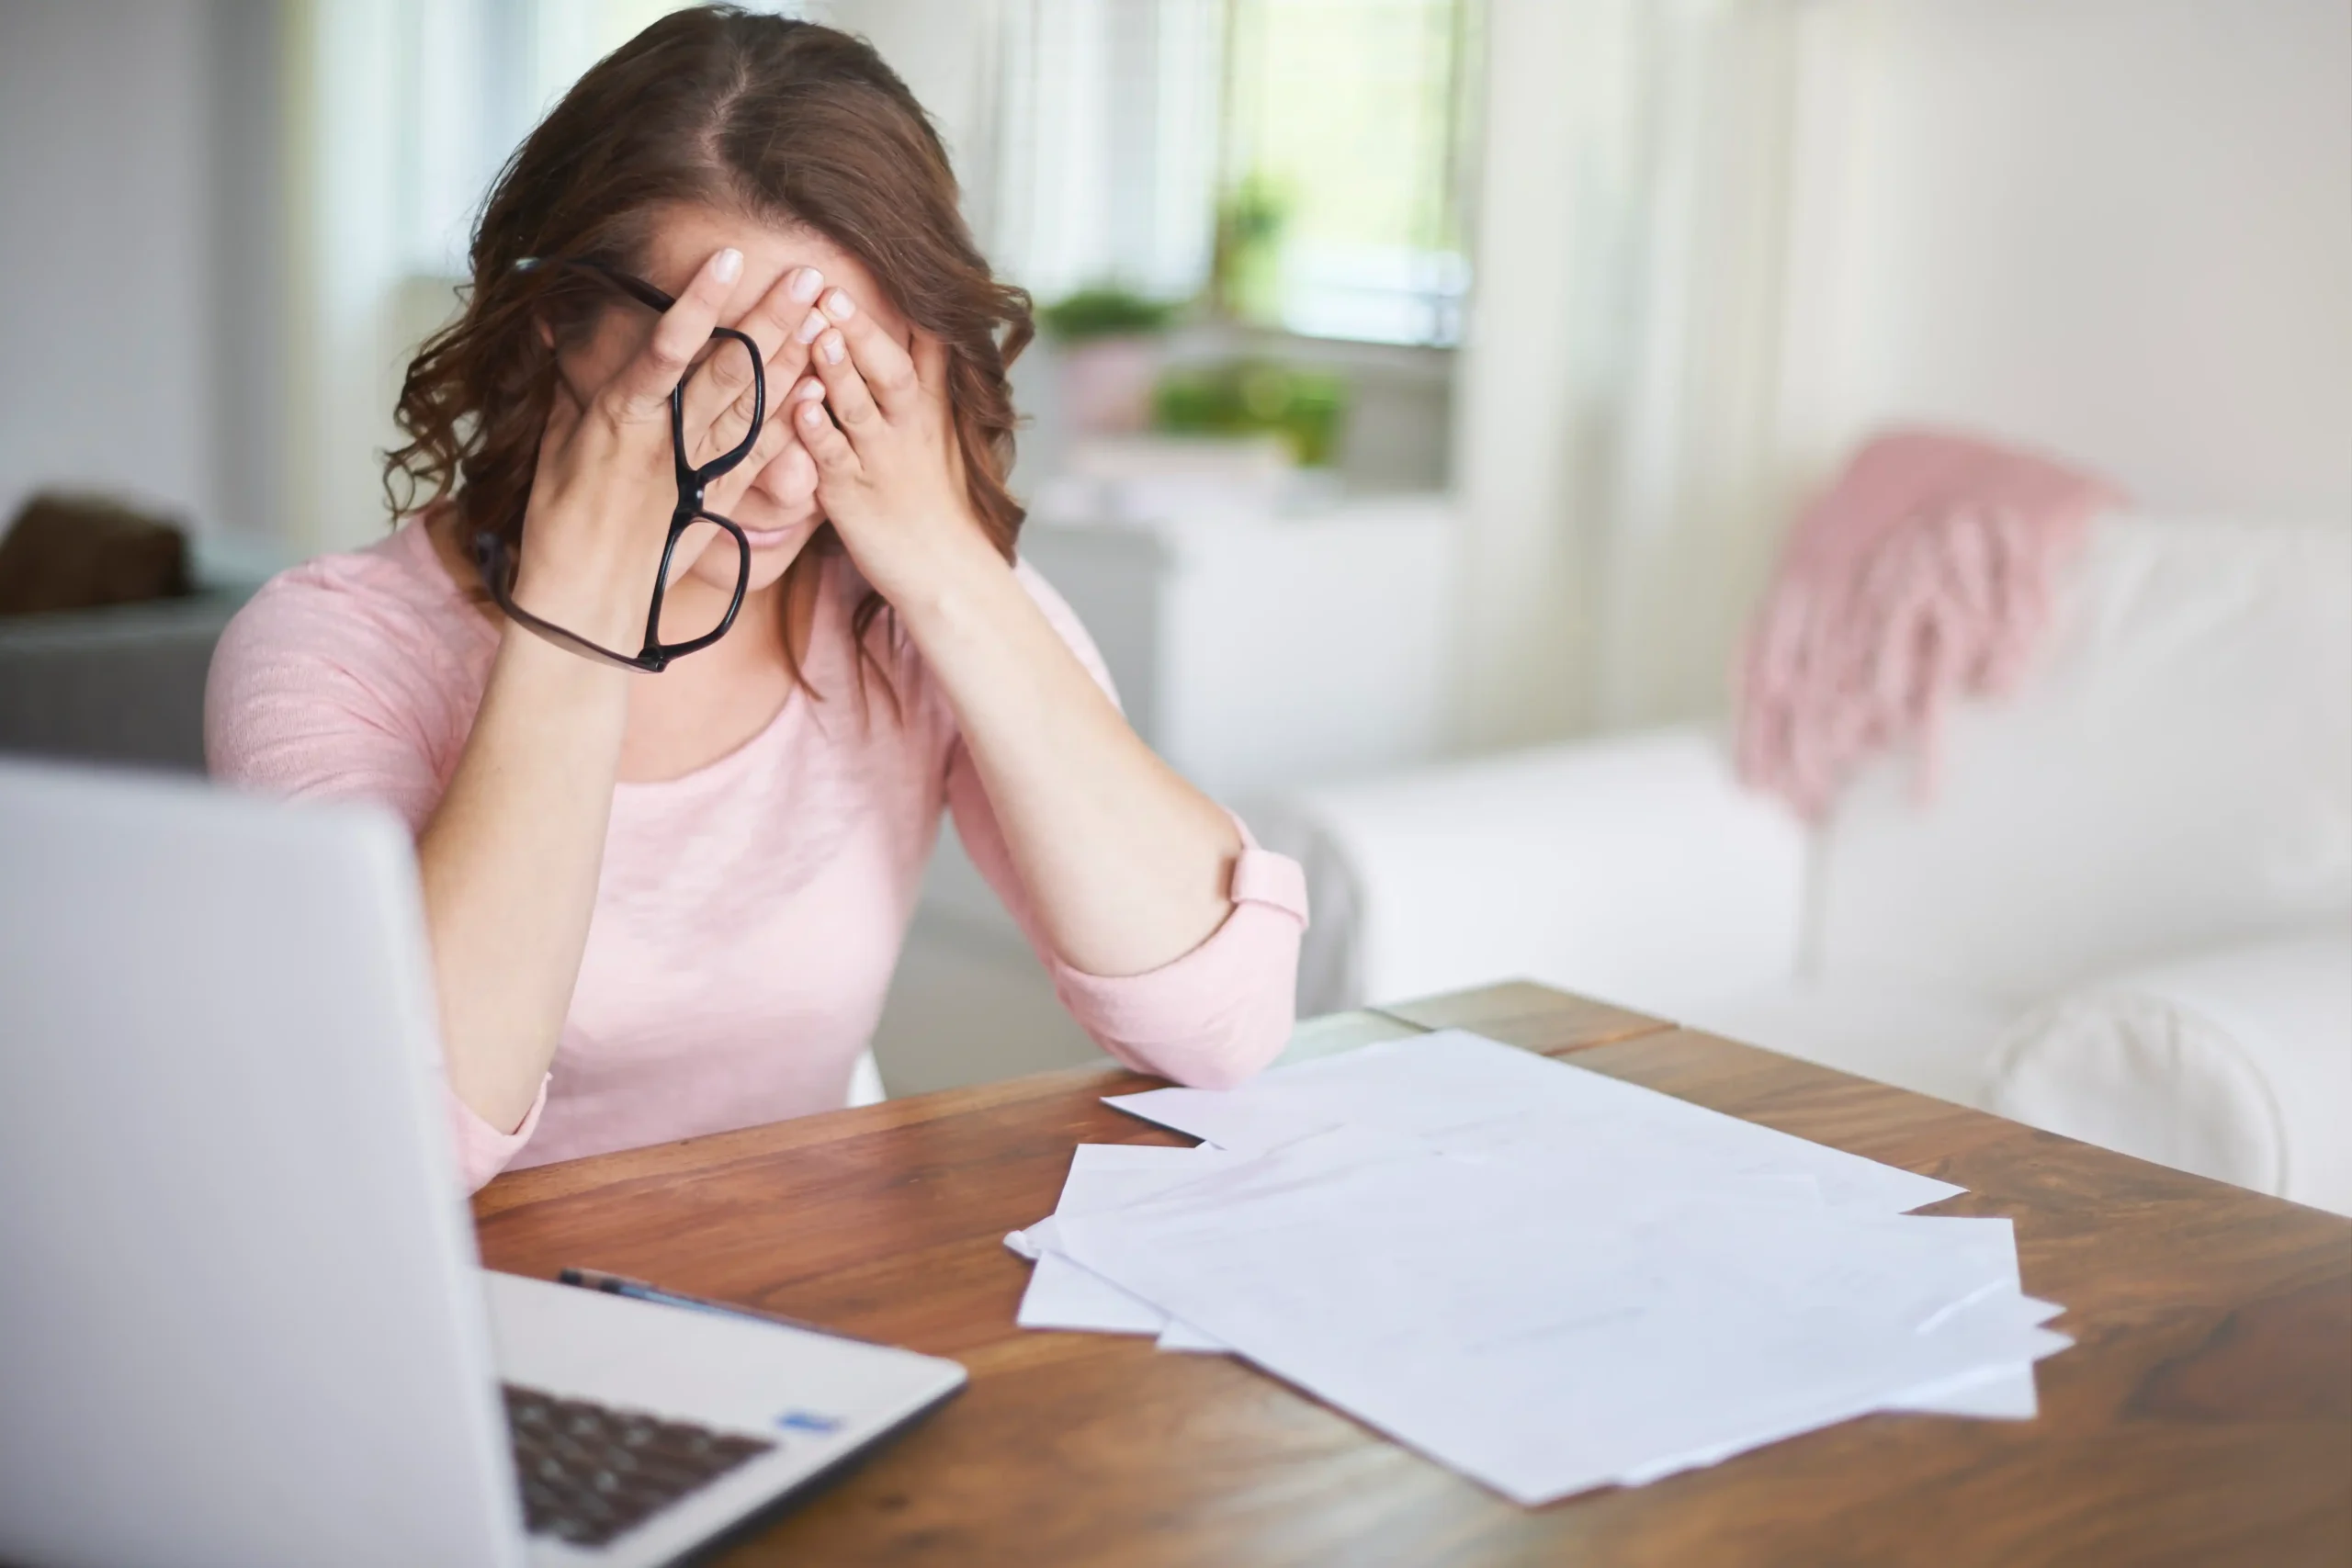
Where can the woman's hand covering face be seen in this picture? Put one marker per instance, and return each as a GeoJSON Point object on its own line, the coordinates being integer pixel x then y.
{"type": "Point", "coordinates": [858, 429]}
{"type": "Point", "coordinates": [720, 401]}
{"type": "Point", "coordinates": [873, 415]}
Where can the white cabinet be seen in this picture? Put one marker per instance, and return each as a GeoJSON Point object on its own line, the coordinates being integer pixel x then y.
{"type": "Point", "coordinates": [1256, 655]}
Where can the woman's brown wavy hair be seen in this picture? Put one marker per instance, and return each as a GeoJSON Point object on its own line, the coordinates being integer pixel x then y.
{"type": "Point", "coordinates": [786, 122]}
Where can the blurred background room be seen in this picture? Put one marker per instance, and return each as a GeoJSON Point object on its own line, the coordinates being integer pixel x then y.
{"type": "Point", "coordinates": [1426, 396]}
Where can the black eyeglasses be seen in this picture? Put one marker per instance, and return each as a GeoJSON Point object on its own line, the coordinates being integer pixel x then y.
{"type": "Point", "coordinates": [734, 360]}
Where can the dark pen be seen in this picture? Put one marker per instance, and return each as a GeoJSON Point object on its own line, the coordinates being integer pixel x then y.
{"type": "Point", "coordinates": [638, 1290]}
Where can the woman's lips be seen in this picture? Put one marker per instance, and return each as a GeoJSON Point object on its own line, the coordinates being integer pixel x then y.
{"type": "Point", "coordinates": [768, 538]}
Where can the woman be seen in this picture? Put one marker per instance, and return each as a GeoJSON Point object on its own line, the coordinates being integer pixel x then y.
{"type": "Point", "coordinates": [664, 904]}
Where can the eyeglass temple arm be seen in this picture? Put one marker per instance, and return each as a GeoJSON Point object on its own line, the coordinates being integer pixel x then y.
{"type": "Point", "coordinates": [633, 286]}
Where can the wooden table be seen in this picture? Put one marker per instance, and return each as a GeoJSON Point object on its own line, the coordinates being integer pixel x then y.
{"type": "Point", "coordinates": [2204, 1416]}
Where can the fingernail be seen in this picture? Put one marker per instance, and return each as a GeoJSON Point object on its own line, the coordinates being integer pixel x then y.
{"type": "Point", "coordinates": [727, 265]}
{"type": "Point", "coordinates": [811, 328]}
{"type": "Point", "coordinates": [805, 284]}
{"type": "Point", "coordinates": [810, 413]}
{"type": "Point", "coordinates": [810, 388]}
{"type": "Point", "coordinates": [838, 306]}
{"type": "Point", "coordinates": [832, 348]}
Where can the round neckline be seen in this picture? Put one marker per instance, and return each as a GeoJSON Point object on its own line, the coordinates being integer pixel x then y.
{"type": "Point", "coordinates": [719, 769]}
{"type": "Point", "coordinates": [735, 759]}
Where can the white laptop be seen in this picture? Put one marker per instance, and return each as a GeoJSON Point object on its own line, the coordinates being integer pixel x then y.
{"type": "Point", "coordinates": [241, 1317]}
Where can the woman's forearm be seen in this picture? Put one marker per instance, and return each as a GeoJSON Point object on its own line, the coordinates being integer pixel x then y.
{"type": "Point", "coordinates": [509, 863]}
{"type": "Point", "coordinates": [1127, 865]}
{"type": "Point", "coordinates": [511, 857]}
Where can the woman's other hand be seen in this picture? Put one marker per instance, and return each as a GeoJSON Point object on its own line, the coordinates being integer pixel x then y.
{"type": "Point", "coordinates": [1126, 866]}
{"type": "Point", "coordinates": [873, 415]}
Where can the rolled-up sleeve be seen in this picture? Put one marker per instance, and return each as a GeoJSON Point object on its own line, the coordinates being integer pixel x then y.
{"type": "Point", "coordinates": [483, 1150]}
{"type": "Point", "coordinates": [1223, 1010]}
{"type": "Point", "coordinates": [1209, 1019]}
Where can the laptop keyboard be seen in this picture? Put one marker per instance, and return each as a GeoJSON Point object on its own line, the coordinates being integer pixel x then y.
{"type": "Point", "coordinates": [590, 1472]}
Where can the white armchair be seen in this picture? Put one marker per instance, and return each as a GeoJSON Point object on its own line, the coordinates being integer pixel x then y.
{"type": "Point", "coordinates": [1636, 865]}
{"type": "Point", "coordinates": [2176, 777]}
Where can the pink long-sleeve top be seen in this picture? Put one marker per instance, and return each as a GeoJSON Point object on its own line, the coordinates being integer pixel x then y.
{"type": "Point", "coordinates": [748, 914]}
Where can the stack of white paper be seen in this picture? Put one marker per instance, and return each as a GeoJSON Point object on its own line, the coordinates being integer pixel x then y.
{"type": "Point", "coordinates": [1546, 1278]}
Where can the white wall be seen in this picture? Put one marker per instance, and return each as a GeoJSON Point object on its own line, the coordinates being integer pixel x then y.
{"type": "Point", "coordinates": [1721, 242]}
{"type": "Point", "coordinates": [106, 270]}
{"type": "Point", "coordinates": [2122, 229]}
{"type": "Point", "coordinates": [134, 201]}
{"type": "Point", "coordinates": [945, 51]}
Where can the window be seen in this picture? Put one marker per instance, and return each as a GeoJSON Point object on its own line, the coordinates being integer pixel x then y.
{"type": "Point", "coordinates": [1341, 153]}
{"type": "Point", "coordinates": [1300, 158]}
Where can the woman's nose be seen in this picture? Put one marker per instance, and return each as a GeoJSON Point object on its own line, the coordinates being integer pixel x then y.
{"type": "Point", "coordinates": [790, 478]}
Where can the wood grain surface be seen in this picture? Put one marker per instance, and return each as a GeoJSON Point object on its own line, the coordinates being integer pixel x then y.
{"type": "Point", "coordinates": [2203, 1417]}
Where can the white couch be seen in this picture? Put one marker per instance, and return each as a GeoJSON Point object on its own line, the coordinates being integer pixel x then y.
{"type": "Point", "coordinates": [2124, 912]}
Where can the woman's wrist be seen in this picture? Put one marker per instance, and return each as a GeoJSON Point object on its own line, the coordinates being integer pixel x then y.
{"type": "Point", "coordinates": [606, 606]}
{"type": "Point", "coordinates": [555, 677]}
{"type": "Point", "coordinates": [946, 586]}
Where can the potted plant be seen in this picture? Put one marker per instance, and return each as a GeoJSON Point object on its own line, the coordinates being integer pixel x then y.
{"type": "Point", "coordinates": [1109, 340]}
{"type": "Point", "coordinates": [1308, 408]}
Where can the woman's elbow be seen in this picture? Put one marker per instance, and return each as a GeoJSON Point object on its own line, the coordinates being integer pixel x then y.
{"type": "Point", "coordinates": [1214, 1019]}
{"type": "Point", "coordinates": [1242, 1044]}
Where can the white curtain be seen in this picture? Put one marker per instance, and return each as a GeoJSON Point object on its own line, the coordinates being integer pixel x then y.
{"type": "Point", "coordinates": [1106, 158]}
{"type": "Point", "coordinates": [1623, 479]}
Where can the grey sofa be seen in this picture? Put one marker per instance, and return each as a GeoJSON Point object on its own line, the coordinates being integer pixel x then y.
{"type": "Point", "coordinates": [122, 684]}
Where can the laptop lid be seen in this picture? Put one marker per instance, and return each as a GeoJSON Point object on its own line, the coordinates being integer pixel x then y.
{"type": "Point", "coordinates": [238, 1323]}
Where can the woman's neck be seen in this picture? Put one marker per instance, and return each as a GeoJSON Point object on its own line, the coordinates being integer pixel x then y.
{"type": "Point", "coordinates": [712, 702]}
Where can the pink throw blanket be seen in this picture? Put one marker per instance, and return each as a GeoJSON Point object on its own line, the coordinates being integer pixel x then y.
{"type": "Point", "coordinates": [1926, 572]}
